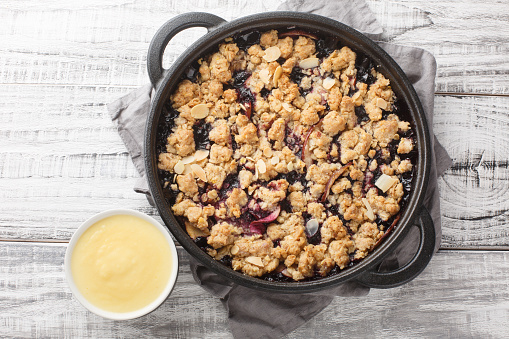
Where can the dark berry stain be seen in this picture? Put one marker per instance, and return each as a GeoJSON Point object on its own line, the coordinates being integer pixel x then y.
{"type": "Point", "coordinates": [201, 131]}
{"type": "Point", "coordinates": [166, 124]}
{"type": "Point", "coordinates": [202, 243]}
{"type": "Point", "coordinates": [191, 72]}
{"type": "Point", "coordinates": [361, 114]}
{"type": "Point", "coordinates": [264, 93]}
{"type": "Point", "coordinates": [324, 47]}
{"type": "Point", "coordinates": [364, 66]}
{"type": "Point", "coordinates": [226, 260]}
{"type": "Point", "coordinates": [297, 75]}
{"type": "Point", "coordinates": [245, 40]}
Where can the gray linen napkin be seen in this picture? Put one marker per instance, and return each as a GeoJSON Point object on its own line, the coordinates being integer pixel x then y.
{"type": "Point", "coordinates": [255, 314]}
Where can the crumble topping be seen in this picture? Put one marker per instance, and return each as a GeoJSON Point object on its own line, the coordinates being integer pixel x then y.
{"type": "Point", "coordinates": [271, 151]}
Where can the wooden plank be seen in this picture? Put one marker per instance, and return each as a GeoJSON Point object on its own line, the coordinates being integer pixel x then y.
{"type": "Point", "coordinates": [36, 302]}
{"type": "Point", "coordinates": [469, 40]}
{"type": "Point", "coordinates": [460, 294]}
{"type": "Point", "coordinates": [106, 43]}
{"type": "Point", "coordinates": [475, 191]}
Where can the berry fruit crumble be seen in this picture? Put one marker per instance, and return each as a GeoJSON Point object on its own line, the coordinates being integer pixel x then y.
{"type": "Point", "coordinates": [285, 155]}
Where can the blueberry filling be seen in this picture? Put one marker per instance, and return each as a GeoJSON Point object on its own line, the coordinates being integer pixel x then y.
{"type": "Point", "coordinates": [192, 72]}
{"type": "Point", "coordinates": [326, 47]}
{"type": "Point", "coordinates": [246, 40]}
{"type": "Point", "coordinates": [361, 114]}
{"type": "Point", "coordinates": [202, 243]}
{"type": "Point", "coordinates": [264, 93]}
{"type": "Point", "coordinates": [201, 134]}
{"type": "Point", "coordinates": [165, 127]}
{"type": "Point", "coordinates": [296, 75]}
{"type": "Point", "coordinates": [364, 66]}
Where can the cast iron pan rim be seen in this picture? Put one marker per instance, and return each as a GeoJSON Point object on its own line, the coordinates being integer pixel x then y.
{"type": "Point", "coordinates": [309, 21]}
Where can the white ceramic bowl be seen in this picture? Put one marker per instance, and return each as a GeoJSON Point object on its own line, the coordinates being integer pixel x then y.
{"type": "Point", "coordinates": [127, 315]}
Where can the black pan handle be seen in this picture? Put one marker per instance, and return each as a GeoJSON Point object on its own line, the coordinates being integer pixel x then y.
{"type": "Point", "coordinates": [411, 270]}
{"type": "Point", "coordinates": [168, 31]}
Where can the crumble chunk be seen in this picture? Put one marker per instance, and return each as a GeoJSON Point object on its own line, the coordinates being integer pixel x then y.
{"type": "Point", "coordinates": [286, 47]}
{"type": "Point", "coordinates": [272, 195]}
{"type": "Point", "coordinates": [339, 60]}
{"type": "Point", "coordinates": [277, 131]}
{"type": "Point", "coordinates": [354, 143]}
{"type": "Point", "coordinates": [167, 161]}
{"type": "Point", "coordinates": [196, 214]}
{"type": "Point", "coordinates": [333, 229]}
{"type": "Point", "coordinates": [245, 178]}
{"type": "Point", "coordinates": [366, 238]}
{"type": "Point", "coordinates": [220, 68]}
{"type": "Point", "coordinates": [254, 256]}
{"type": "Point", "coordinates": [236, 200]}
{"type": "Point", "coordinates": [384, 131]}
{"type": "Point", "coordinates": [339, 251]}
{"type": "Point", "coordinates": [405, 146]}
{"type": "Point", "coordinates": [222, 234]}
{"type": "Point", "coordinates": [186, 91]}
{"type": "Point", "coordinates": [187, 184]}
{"type": "Point", "coordinates": [220, 154]}
{"type": "Point", "coordinates": [333, 123]}
{"type": "Point", "coordinates": [220, 134]}
{"type": "Point", "coordinates": [215, 175]}
{"type": "Point", "coordinates": [181, 142]}
{"type": "Point", "coordinates": [269, 39]}
{"type": "Point", "coordinates": [298, 201]}
{"type": "Point", "coordinates": [303, 48]}
{"type": "Point", "coordinates": [334, 98]}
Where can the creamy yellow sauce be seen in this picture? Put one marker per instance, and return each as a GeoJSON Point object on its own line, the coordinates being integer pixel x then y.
{"type": "Point", "coordinates": [121, 263]}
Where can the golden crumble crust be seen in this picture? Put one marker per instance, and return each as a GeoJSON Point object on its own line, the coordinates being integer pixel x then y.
{"type": "Point", "coordinates": [274, 155]}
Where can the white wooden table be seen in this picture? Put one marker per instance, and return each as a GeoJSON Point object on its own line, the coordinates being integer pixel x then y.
{"type": "Point", "coordinates": [61, 160]}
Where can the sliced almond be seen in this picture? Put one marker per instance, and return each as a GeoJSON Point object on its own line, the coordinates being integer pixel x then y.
{"type": "Point", "coordinates": [381, 103]}
{"type": "Point", "coordinates": [286, 273]}
{"type": "Point", "coordinates": [200, 111]}
{"type": "Point", "coordinates": [290, 166]}
{"type": "Point", "coordinates": [357, 98]}
{"type": "Point", "coordinates": [257, 261]}
{"type": "Point", "coordinates": [275, 160]}
{"type": "Point", "coordinates": [370, 213]}
{"type": "Point", "coordinates": [277, 75]}
{"type": "Point", "coordinates": [188, 160]}
{"type": "Point", "coordinates": [195, 232]}
{"type": "Point", "coordinates": [262, 168]}
{"type": "Point", "coordinates": [255, 176]}
{"type": "Point", "coordinates": [199, 172]}
{"type": "Point", "coordinates": [272, 54]}
{"type": "Point", "coordinates": [179, 167]}
{"type": "Point", "coordinates": [264, 75]}
{"type": "Point", "coordinates": [243, 107]}
{"type": "Point", "coordinates": [385, 182]}
{"type": "Point", "coordinates": [201, 154]}
{"type": "Point", "coordinates": [309, 63]}
{"type": "Point", "coordinates": [312, 226]}
{"type": "Point", "coordinates": [188, 169]}
{"type": "Point", "coordinates": [328, 83]}
{"type": "Point", "coordinates": [287, 106]}
{"type": "Point", "coordinates": [234, 250]}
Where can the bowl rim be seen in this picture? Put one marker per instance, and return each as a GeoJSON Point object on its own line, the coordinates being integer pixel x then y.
{"type": "Point", "coordinates": [120, 315]}
{"type": "Point", "coordinates": [271, 20]}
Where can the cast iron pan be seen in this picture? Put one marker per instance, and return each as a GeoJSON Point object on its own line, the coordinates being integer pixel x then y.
{"type": "Point", "coordinates": [165, 81]}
